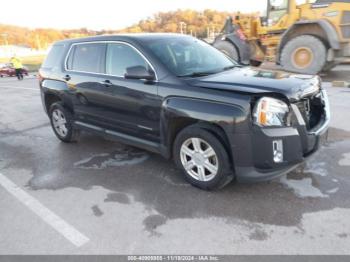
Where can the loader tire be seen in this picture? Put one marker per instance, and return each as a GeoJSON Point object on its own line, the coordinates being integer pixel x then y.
{"type": "Point", "coordinates": [228, 49]}
{"type": "Point", "coordinates": [304, 54]}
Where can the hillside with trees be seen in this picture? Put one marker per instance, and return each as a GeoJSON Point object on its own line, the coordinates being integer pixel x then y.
{"type": "Point", "coordinates": [197, 23]}
{"type": "Point", "coordinates": [186, 21]}
{"type": "Point", "coordinates": [37, 38]}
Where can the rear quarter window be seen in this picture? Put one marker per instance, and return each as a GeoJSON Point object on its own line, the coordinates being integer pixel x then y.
{"type": "Point", "coordinates": [54, 57]}
{"type": "Point", "coordinates": [88, 58]}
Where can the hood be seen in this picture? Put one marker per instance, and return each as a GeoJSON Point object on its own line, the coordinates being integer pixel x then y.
{"type": "Point", "coordinates": [258, 81]}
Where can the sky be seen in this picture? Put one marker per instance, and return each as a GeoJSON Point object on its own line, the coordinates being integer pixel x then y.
{"type": "Point", "coordinates": [105, 14]}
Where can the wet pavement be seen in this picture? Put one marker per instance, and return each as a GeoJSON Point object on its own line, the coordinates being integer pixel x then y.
{"type": "Point", "coordinates": [128, 201]}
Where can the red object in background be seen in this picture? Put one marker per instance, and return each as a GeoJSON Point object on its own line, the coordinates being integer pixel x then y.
{"type": "Point", "coordinates": [8, 70]}
{"type": "Point", "coordinates": [241, 34]}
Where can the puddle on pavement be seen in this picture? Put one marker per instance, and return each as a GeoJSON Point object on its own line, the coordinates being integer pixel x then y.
{"type": "Point", "coordinates": [122, 157]}
{"type": "Point", "coordinates": [316, 178]}
{"type": "Point", "coordinates": [258, 234]}
{"type": "Point", "coordinates": [303, 188]}
{"type": "Point", "coordinates": [120, 198]}
{"type": "Point", "coordinates": [304, 181]}
{"type": "Point", "coordinates": [152, 222]}
{"type": "Point", "coordinates": [316, 168]}
{"type": "Point", "coordinates": [97, 211]}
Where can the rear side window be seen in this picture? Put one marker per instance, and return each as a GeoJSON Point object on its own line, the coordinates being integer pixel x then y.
{"type": "Point", "coordinates": [54, 57]}
{"type": "Point", "coordinates": [120, 57]}
{"type": "Point", "coordinates": [87, 58]}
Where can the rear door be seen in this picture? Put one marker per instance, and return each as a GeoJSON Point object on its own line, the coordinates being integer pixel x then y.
{"type": "Point", "coordinates": [85, 67]}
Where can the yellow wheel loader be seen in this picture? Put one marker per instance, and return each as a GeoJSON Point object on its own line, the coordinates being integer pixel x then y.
{"type": "Point", "coordinates": [307, 38]}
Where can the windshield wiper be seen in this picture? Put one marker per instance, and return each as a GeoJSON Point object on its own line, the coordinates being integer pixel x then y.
{"type": "Point", "coordinates": [199, 74]}
{"type": "Point", "coordinates": [206, 73]}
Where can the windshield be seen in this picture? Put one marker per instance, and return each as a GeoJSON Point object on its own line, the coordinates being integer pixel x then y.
{"type": "Point", "coordinates": [279, 4]}
{"type": "Point", "coordinates": [187, 56]}
{"type": "Point", "coordinates": [277, 9]}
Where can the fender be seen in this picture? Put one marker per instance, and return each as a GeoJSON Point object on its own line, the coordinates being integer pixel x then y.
{"type": "Point", "coordinates": [331, 34]}
{"type": "Point", "coordinates": [56, 88]}
{"type": "Point", "coordinates": [229, 118]}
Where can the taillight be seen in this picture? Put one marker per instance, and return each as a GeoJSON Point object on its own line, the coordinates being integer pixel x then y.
{"type": "Point", "coordinates": [241, 35]}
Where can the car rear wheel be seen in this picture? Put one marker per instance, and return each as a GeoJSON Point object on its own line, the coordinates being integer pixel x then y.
{"type": "Point", "coordinates": [202, 158]}
{"type": "Point", "coordinates": [62, 123]}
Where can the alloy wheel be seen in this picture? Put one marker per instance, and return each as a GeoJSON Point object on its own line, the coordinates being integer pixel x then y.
{"type": "Point", "coordinates": [59, 122]}
{"type": "Point", "coordinates": [199, 159]}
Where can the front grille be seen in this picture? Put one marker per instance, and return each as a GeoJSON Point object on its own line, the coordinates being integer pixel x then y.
{"type": "Point", "coordinates": [312, 109]}
{"type": "Point", "coordinates": [345, 24]}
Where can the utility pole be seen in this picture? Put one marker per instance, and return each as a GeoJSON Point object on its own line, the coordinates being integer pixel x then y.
{"type": "Point", "coordinates": [183, 28]}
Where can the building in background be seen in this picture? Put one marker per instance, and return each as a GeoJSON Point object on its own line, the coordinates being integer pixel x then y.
{"type": "Point", "coordinates": [19, 50]}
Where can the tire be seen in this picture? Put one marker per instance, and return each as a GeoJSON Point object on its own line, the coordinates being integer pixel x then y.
{"type": "Point", "coordinates": [64, 129]}
{"type": "Point", "coordinates": [312, 55]}
{"type": "Point", "coordinates": [210, 180]}
{"type": "Point", "coordinates": [255, 63]}
{"type": "Point", "coordinates": [228, 49]}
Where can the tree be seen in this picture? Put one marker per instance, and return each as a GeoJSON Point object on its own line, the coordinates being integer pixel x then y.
{"type": "Point", "coordinates": [196, 22]}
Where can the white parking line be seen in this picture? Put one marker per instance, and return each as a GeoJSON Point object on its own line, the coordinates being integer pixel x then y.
{"type": "Point", "coordinates": [19, 87]}
{"type": "Point", "coordinates": [68, 231]}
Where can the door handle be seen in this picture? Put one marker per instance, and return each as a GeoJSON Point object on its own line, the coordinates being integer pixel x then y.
{"type": "Point", "coordinates": [67, 77]}
{"type": "Point", "coordinates": [106, 83]}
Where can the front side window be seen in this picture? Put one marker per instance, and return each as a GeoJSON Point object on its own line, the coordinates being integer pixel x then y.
{"type": "Point", "coordinates": [186, 56]}
{"type": "Point", "coordinates": [122, 56]}
{"type": "Point", "coordinates": [87, 58]}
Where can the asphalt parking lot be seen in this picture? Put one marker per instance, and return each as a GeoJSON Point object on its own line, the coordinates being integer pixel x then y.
{"type": "Point", "coordinates": [102, 197]}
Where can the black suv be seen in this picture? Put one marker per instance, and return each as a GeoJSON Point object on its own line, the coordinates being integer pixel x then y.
{"type": "Point", "coordinates": [178, 96]}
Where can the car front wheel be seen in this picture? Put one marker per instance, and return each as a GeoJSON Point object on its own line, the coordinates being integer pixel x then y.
{"type": "Point", "coordinates": [202, 158]}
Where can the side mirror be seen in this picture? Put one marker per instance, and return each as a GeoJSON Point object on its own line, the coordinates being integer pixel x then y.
{"type": "Point", "coordinates": [139, 72]}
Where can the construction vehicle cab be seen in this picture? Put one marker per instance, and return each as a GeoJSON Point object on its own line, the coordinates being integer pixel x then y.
{"type": "Point", "coordinates": [276, 9]}
{"type": "Point", "coordinates": [302, 36]}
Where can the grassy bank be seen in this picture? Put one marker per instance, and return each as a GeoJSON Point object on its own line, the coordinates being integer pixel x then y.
{"type": "Point", "coordinates": [33, 63]}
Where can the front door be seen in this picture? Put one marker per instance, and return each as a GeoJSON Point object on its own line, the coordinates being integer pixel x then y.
{"type": "Point", "coordinates": [131, 106]}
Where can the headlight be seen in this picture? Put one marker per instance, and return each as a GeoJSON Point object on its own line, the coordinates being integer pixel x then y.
{"type": "Point", "coordinates": [270, 112]}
